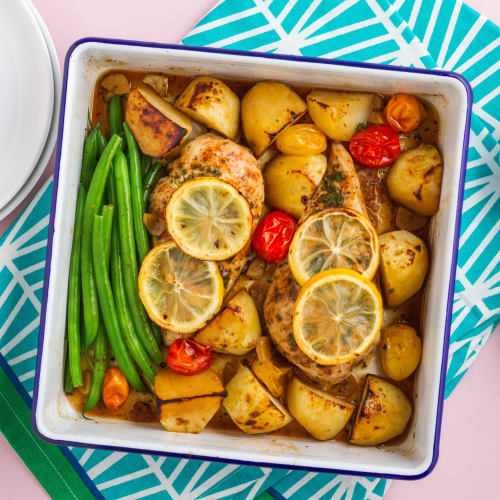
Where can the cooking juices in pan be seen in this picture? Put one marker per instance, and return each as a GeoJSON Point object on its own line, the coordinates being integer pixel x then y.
{"type": "Point", "coordinates": [402, 122]}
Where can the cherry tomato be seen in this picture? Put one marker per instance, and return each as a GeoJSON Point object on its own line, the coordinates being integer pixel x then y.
{"type": "Point", "coordinates": [115, 388]}
{"type": "Point", "coordinates": [188, 357]}
{"type": "Point", "coordinates": [273, 236]}
{"type": "Point", "coordinates": [376, 146]}
{"type": "Point", "coordinates": [403, 112]}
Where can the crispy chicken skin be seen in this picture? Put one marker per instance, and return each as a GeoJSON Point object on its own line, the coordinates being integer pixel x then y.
{"type": "Point", "coordinates": [213, 156]}
{"type": "Point", "coordinates": [339, 187]}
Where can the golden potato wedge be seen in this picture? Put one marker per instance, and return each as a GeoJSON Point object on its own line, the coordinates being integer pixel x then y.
{"type": "Point", "coordinates": [157, 126]}
{"type": "Point", "coordinates": [320, 413]}
{"type": "Point", "coordinates": [187, 403]}
{"type": "Point", "coordinates": [404, 262]}
{"type": "Point", "coordinates": [235, 329]}
{"type": "Point", "coordinates": [383, 413]}
{"type": "Point", "coordinates": [338, 114]}
{"type": "Point", "coordinates": [414, 180]}
{"type": "Point", "coordinates": [210, 101]}
{"type": "Point", "coordinates": [301, 139]}
{"type": "Point", "coordinates": [291, 180]}
{"type": "Point", "coordinates": [273, 374]}
{"type": "Point", "coordinates": [116, 84]}
{"type": "Point", "coordinates": [400, 350]}
{"type": "Point", "coordinates": [266, 110]}
{"type": "Point", "coordinates": [253, 409]}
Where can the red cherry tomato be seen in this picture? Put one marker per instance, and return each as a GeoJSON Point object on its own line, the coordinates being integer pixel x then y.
{"type": "Point", "coordinates": [187, 357]}
{"type": "Point", "coordinates": [274, 235]}
{"type": "Point", "coordinates": [376, 146]}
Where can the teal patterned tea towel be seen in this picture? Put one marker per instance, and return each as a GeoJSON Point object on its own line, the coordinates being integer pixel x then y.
{"type": "Point", "coordinates": [423, 33]}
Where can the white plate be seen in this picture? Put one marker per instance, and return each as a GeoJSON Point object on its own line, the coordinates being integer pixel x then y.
{"type": "Point", "coordinates": [27, 88]}
{"type": "Point", "coordinates": [51, 139]}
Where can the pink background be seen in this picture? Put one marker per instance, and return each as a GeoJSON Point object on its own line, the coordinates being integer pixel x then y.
{"type": "Point", "coordinates": [468, 464]}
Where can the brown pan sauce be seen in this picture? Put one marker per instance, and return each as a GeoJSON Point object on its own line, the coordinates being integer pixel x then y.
{"type": "Point", "coordinates": [141, 407]}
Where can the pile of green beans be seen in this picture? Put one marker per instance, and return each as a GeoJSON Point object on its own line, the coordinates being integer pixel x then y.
{"type": "Point", "coordinates": [101, 247]}
{"type": "Point", "coordinates": [129, 259]}
{"type": "Point", "coordinates": [92, 206]}
{"type": "Point", "coordinates": [109, 243]}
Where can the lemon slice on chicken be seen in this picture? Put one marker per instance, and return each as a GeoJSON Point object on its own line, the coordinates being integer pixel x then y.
{"type": "Point", "coordinates": [337, 316]}
{"type": "Point", "coordinates": [334, 238]}
{"type": "Point", "coordinates": [209, 219]}
{"type": "Point", "coordinates": [179, 292]}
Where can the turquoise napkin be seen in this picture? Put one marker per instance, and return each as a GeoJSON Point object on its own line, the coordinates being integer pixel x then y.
{"type": "Point", "coordinates": [444, 34]}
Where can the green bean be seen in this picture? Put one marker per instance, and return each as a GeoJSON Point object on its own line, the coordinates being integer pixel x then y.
{"type": "Point", "coordinates": [68, 382]}
{"type": "Point", "coordinates": [102, 239]}
{"type": "Point", "coordinates": [131, 339]}
{"type": "Point", "coordinates": [129, 260]}
{"type": "Point", "coordinates": [134, 164]}
{"type": "Point", "coordinates": [74, 294]}
{"type": "Point", "coordinates": [149, 182]}
{"type": "Point", "coordinates": [92, 205]}
{"type": "Point", "coordinates": [115, 115]}
{"type": "Point", "coordinates": [100, 362]}
{"type": "Point", "coordinates": [89, 161]}
{"type": "Point", "coordinates": [146, 163]}
{"type": "Point", "coordinates": [101, 142]}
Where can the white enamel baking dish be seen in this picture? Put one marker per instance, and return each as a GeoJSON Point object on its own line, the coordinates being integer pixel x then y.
{"type": "Point", "coordinates": [55, 420]}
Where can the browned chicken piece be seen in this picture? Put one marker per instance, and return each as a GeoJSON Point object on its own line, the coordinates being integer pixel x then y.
{"type": "Point", "coordinates": [380, 207]}
{"type": "Point", "coordinates": [339, 187]}
{"type": "Point", "coordinates": [278, 312]}
{"type": "Point", "coordinates": [210, 155]}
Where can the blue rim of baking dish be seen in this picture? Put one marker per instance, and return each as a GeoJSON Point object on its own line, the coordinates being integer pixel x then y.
{"type": "Point", "coordinates": [452, 273]}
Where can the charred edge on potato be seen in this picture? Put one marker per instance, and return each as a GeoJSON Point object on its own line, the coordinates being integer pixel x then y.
{"type": "Point", "coordinates": [161, 402]}
{"type": "Point", "coordinates": [293, 117]}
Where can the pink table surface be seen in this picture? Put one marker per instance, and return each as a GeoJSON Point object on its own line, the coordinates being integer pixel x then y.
{"type": "Point", "coordinates": [468, 464]}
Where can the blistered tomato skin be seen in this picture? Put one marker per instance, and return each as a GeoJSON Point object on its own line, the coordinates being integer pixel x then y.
{"type": "Point", "coordinates": [273, 236]}
{"type": "Point", "coordinates": [376, 146]}
{"type": "Point", "coordinates": [188, 357]}
{"type": "Point", "coordinates": [403, 112]}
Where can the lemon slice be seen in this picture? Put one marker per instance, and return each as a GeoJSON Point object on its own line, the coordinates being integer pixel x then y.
{"type": "Point", "coordinates": [337, 315]}
{"type": "Point", "coordinates": [332, 238]}
{"type": "Point", "coordinates": [209, 219]}
{"type": "Point", "coordinates": [179, 293]}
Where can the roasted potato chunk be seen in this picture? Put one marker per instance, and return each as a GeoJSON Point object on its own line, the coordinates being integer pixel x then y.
{"type": "Point", "coordinates": [321, 414]}
{"type": "Point", "coordinates": [406, 219]}
{"type": "Point", "coordinates": [383, 413]}
{"type": "Point", "coordinates": [157, 126]}
{"type": "Point", "coordinates": [404, 262]}
{"type": "Point", "coordinates": [301, 139]}
{"type": "Point", "coordinates": [400, 350]}
{"type": "Point", "coordinates": [158, 82]}
{"type": "Point", "coordinates": [187, 403]}
{"type": "Point", "coordinates": [116, 84]}
{"type": "Point", "coordinates": [273, 374]}
{"type": "Point", "coordinates": [338, 114]}
{"type": "Point", "coordinates": [290, 181]}
{"type": "Point", "coordinates": [210, 101]}
{"type": "Point", "coordinates": [414, 180]}
{"type": "Point", "coordinates": [253, 409]}
{"type": "Point", "coordinates": [236, 327]}
{"type": "Point", "coordinates": [266, 110]}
